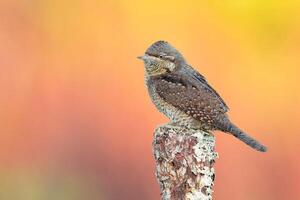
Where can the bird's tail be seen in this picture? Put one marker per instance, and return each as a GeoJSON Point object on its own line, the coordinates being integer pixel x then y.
{"type": "Point", "coordinates": [236, 132]}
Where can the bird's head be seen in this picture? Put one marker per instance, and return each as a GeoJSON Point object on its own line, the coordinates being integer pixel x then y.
{"type": "Point", "coordinates": [161, 58]}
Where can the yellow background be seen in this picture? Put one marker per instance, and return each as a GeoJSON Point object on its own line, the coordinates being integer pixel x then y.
{"type": "Point", "coordinates": [76, 121]}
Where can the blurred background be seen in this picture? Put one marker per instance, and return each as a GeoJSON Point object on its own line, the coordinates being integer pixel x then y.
{"type": "Point", "coordinates": [76, 122]}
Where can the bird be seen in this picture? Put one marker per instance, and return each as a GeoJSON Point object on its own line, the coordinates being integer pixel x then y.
{"type": "Point", "coordinates": [184, 95]}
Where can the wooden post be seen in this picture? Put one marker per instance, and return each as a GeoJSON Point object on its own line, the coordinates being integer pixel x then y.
{"type": "Point", "coordinates": [184, 162]}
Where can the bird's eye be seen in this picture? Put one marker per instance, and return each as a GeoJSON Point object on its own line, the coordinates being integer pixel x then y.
{"type": "Point", "coordinates": [161, 56]}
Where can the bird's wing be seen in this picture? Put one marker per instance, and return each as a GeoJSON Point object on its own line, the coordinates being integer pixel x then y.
{"type": "Point", "coordinates": [193, 99]}
{"type": "Point", "coordinates": [196, 76]}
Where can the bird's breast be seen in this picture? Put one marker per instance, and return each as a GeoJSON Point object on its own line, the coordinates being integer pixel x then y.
{"type": "Point", "coordinates": [173, 113]}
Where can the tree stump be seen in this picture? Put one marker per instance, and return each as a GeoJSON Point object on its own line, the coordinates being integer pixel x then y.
{"type": "Point", "coordinates": [184, 162]}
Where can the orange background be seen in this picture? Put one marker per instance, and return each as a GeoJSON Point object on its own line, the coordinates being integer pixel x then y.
{"type": "Point", "coordinates": [76, 121]}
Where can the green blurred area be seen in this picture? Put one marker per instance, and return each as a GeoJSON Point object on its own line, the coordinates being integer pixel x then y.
{"type": "Point", "coordinates": [29, 185]}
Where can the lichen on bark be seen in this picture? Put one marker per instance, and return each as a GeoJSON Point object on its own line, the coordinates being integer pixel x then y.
{"type": "Point", "coordinates": [184, 162]}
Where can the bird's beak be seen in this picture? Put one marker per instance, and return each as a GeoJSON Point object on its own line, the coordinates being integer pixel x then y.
{"type": "Point", "coordinates": [143, 57]}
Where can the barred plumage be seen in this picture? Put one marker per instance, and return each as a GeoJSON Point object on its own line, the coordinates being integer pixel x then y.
{"type": "Point", "coordinates": [184, 95]}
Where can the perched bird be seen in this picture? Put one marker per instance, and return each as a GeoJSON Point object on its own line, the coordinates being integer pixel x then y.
{"type": "Point", "coordinates": [184, 95]}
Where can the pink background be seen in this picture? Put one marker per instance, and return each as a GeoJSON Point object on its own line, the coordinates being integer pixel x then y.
{"type": "Point", "coordinates": [76, 121]}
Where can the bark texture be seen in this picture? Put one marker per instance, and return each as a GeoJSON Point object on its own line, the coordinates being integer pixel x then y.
{"type": "Point", "coordinates": [184, 162]}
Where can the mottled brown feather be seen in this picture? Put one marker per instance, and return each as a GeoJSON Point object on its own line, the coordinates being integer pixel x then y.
{"type": "Point", "coordinates": [196, 75]}
{"type": "Point", "coordinates": [184, 95]}
{"type": "Point", "coordinates": [193, 99]}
